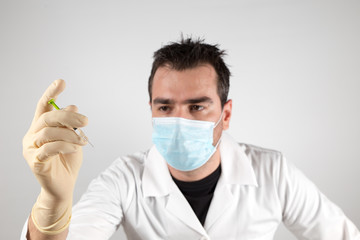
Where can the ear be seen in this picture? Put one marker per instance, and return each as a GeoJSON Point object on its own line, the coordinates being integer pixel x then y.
{"type": "Point", "coordinates": [227, 114]}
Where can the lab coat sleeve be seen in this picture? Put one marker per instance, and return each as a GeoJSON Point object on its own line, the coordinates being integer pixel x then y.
{"type": "Point", "coordinates": [307, 213]}
{"type": "Point", "coordinates": [24, 231]}
{"type": "Point", "coordinates": [99, 212]}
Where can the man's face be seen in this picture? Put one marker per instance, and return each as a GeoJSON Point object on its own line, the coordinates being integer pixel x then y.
{"type": "Point", "coordinates": [190, 94]}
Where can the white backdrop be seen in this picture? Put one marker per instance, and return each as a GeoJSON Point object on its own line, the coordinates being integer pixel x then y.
{"type": "Point", "coordinates": [295, 84]}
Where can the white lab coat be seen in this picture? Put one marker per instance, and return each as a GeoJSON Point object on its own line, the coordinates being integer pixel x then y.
{"type": "Point", "coordinates": [256, 191]}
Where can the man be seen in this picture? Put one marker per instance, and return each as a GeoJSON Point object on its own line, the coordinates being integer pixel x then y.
{"type": "Point", "coordinates": [196, 182]}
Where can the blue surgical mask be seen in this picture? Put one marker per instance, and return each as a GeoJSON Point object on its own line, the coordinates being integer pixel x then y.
{"type": "Point", "coordinates": [185, 144]}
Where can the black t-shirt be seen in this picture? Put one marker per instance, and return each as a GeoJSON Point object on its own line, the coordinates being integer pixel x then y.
{"type": "Point", "coordinates": [200, 193]}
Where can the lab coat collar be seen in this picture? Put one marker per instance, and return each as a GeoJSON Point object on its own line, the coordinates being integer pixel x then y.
{"type": "Point", "coordinates": [157, 182]}
{"type": "Point", "coordinates": [236, 169]}
{"type": "Point", "coordinates": [156, 179]}
{"type": "Point", "coordinates": [235, 166]}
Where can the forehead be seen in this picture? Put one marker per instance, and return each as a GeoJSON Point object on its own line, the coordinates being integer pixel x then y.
{"type": "Point", "coordinates": [185, 84]}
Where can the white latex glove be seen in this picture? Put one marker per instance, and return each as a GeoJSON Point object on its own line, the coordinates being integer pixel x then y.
{"type": "Point", "coordinates": [54, 153]}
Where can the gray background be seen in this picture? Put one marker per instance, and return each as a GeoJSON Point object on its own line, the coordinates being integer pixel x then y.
{"type": "Point", "coordinates": [295, 84]}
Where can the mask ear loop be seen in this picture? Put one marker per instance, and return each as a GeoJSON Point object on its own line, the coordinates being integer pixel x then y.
{"type": "Point", "coordinates": [219, 119]}
{"type": "Point", "coordinates": [217, 123]}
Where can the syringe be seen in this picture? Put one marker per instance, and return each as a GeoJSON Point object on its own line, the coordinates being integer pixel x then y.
{"type": "Point", "coordinates": [78, 131]}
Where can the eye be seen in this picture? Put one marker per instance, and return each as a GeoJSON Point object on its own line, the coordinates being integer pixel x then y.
{"type": "Point", "coordinates": [164, 108]}
{"type": "Point", "coordinates": [196, 108]}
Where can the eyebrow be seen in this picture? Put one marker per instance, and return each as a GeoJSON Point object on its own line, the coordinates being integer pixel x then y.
{"type": "Point", "coordinates": [199, 100]}
{"type": "Point", "coordinates": [187, 101]}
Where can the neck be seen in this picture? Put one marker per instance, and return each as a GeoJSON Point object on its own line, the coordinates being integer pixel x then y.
{"type": "Point", "coordinates": [202, 172]}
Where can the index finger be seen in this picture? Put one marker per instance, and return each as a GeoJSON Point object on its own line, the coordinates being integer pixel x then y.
{"type": "Point", "coordinates": [50, 93]}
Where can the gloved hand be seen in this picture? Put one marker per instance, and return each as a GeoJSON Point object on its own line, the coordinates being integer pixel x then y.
{"type": "Point", "coordinates": [54, 153]}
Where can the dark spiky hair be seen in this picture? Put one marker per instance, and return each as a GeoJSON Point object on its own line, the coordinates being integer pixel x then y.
{"type": "Point", "coordinates": [189, 53]}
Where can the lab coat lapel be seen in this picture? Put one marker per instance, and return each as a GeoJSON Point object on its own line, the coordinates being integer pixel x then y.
{"type": "Point", "coordinates": [180, 208]}
{"type": "Point", "coordinates": [221, 201]}
{"type": "Point", "coordinates": [156, 179]}
{"type": "Point", "coordinates": [157, 182]}
{"type": "Point", "coordinates": [236, 169]}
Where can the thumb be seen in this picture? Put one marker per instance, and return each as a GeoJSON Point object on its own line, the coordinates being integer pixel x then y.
{"type": "Point", "coordinates": [51, 93]}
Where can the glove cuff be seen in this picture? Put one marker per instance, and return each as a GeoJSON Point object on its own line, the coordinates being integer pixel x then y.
{"type": "Point", "coordinates": [51, 221]}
